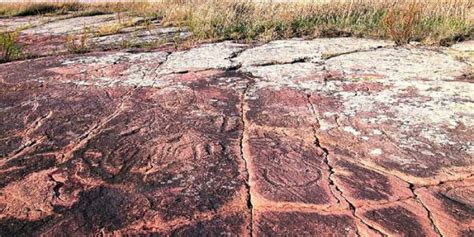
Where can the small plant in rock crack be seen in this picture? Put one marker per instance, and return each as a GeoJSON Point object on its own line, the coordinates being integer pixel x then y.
{"type": "Point", "coordinates": [80, 44]}
{"type": "Point", "coordinates": [9, 47]}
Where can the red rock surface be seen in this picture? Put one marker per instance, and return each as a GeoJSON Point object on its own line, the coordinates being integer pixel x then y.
{"type": "Point", "coordinates": [204, 143]}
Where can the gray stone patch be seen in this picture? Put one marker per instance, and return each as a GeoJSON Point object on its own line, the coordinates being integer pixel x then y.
{"type": "Point", "coordinates": [208, 56]}
{"type": "Point", "coordinates": [398, 64]}
{"type": "Point", "coordinates": [21, 23]}
{"type": "Point", "coordinates": [140, 36]}
{"type": "Point", "coordinates": [281, 73]}
{"type": "Point", "coordinates": [465, 46]}
{"type": "Point", "coordinates": [140, 69]}
{"type": "Point", "coordinates": [298, 50]}
{"type": "Point", "coordinates": [78, 24]}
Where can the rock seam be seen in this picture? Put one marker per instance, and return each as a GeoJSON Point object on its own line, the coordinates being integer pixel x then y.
{"type": "Point", "coordinates": [331, 172]}
{"type": "Point", "coordinates": [242, 154]}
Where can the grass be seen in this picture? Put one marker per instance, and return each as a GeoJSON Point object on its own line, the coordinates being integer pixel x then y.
{"type": "Point", "coordinates": [402, 21]}
{"type": "Point", "coordinates": [9, 48]}
{"type": "Point", "coordinates": [430, 21]}
{"type": "Point", "coordinates": [31, 9]}
{"type": "Point", "coordinates": [116, 27]}
{"type": "Point", "coordinates": [79, 44]}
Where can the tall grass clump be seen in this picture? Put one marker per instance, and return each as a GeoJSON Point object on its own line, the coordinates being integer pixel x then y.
{"type": "Point", "coordinates": [81, 43]}
{"type": "Point", "coordinates": [400, 22]}
{"type": "Point", "coordinates": [9, 48]}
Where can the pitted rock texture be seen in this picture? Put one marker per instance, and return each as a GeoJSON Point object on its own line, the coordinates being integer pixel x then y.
{"type": "Point", "coordinates": [340, 137]}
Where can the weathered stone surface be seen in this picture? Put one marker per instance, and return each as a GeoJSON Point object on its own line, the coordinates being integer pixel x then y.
{"type": "Point", "coordinates": [451, 206]}
{"type": "Point", "coordinates": [136, 37]}
{"type": "Point", "coordinates": [406, 218]}
{"type": "Point", "coordinates": [196, 142]}
{"type": "Point", "coordinates": [284, 72]}
{"type": "Point", "coordinates": [271, 223]}
{"type": "Point", "coordinates": [286, 166]}
{"type": "Point", "coordinates": [398, 64]}
{"type": "Point", "coordinates": [363, 186]}
{"type": "Point", "coordinates": [463, 51]}
{"type": "Point", "coordinates": [75, 25]}
{"type": "Point", "coordinates": [209, 56]}
{"type": "Point", "coordinates": [43, 36]}
{"type": "Point", "coordinates": [382, 107]}
{"type": "Point", "coordinates": [290, 51]}
{"type": "Point", "coordinates": [21, 23]}
{"type": "Point", "coordinates": [99, 171]}
{"type": "Point", "coordinates": [466, 46]}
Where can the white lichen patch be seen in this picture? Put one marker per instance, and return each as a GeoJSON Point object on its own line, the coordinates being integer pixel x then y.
{"type": "Point", "coordinates": [139, 69]}
{"type": "Point", "coordinates": [284, 72]}
{"type": "Point", "coordinates": [376, 152]}
{"type": "Point", "coordinates": [399, 64]}
{"type": "Point", "coordinates": [376, 132]}
{"type": "Point", "coordinates": [208, 56]}
{"type": "Point", "coordinates": [351, 130]}
{"type": "Point", "coordinates": [298, 50]}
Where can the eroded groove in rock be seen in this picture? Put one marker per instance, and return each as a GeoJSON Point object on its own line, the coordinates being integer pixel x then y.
{"type": "Point", "coordinates": [83, 139]}
{"type": "Point", "coordinates": [30, 143]}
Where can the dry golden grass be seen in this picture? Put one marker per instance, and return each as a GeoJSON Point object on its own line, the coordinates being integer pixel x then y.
{"type": "Point", "coordinates": [402, 21]}
{"type": "Point", "coordinates": [429, 21]}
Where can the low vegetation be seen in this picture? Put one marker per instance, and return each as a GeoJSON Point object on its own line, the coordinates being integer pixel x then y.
{"type": "Point", "coordinates": [30, 9]}
{"type": "Point", "coordinates": [81, 43]}
{"type": "Point", "coordinates": [429, 21]}
{"type": "Point", "coordinates": [9, 48]}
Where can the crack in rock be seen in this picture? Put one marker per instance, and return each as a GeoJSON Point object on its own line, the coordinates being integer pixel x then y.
{"type": "Point", "coordinates": [430, 216]}
{"type": "Point", "coordinates": [412, 188]}
{"type": "Point", "coordinates": [242, 153]}
{"type": "Point", "coordinates": [327, 56]}
{"type": "Point", "coordinates": [57, 187]}
{"type": "Point", "coordinates": [331, 172]}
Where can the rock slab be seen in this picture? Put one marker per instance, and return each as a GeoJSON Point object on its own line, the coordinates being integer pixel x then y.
{"type": "Point", "coordinates": [350, 138]}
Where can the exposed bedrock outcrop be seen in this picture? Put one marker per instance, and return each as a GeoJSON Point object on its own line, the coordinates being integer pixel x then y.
{"type": "Point", "coordinates": [341, 137]}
